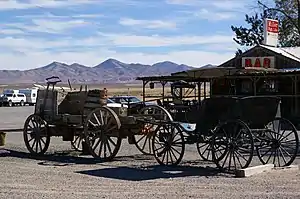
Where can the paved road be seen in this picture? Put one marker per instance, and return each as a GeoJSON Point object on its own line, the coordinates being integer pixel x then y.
{"type": "Point", "coordinates": [66, 174]}
{"type": "Point", "coordinates": [14, 117]}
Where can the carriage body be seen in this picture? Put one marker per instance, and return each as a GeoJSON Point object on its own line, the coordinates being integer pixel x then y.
{"type": "Point", "coordinates": [229, 131]}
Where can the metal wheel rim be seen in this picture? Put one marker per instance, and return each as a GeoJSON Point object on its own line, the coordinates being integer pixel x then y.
{"type": "Point", "coordinates": [101, 135]}
{"type": "Point", "coordinates": [168, 145]}
{"type": "Point", "coordinates": [238, 146]}
{"type": "Point", "coordinates": [145, 138]}
{"type": "Point", "coordinates": [36, 127]}
{"type": "Point", "coordinates": [287, 140]}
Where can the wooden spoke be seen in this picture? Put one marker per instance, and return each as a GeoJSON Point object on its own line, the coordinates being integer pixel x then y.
{"type": "Point", "coordinates": [168, 145]}
{"type": "Point", "coordinates": [280, 144]}
{"type": "Point", "coordinates": [205, 149]}
{"type": "Point", "coordinates": [77, 142]}
{"type": "Point", "coordinates": [35, 135]}
{"type": "Point", "coordinates": [143, 140]}
{"type": "Point", "coordinates": [101, 132]}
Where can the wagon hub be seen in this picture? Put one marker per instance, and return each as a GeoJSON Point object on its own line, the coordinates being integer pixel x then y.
{"type": "Point", "coordinates": [233, 146]}
{"type": "Point", "coordinates": [275, 144]}
{"type": "Point", "coordinates": [35, 133]}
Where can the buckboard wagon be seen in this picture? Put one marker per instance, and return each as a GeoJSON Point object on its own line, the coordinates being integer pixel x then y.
{"type": "Point", "coordinates": [84, 115]}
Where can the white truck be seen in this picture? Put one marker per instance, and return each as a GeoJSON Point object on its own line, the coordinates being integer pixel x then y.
{"type": "Point", "coordinates": [31, 95]}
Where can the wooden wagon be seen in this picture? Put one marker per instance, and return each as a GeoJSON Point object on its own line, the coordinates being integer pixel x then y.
{"type": "Point", "coordinates": [85, 116]}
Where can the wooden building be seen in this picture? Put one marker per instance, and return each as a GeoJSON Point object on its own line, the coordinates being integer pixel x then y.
{"type": "Point", "coordinates": [284, 83]}
{"type": "Point", "coordinates": [267, 57]}
{"type": "Point", "coordinates": [261, 70]}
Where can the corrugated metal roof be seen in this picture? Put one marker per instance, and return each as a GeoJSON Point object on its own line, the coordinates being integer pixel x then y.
{"type": "Point", "coordinates": [290, 52]}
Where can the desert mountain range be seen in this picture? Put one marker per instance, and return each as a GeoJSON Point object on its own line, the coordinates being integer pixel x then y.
{"type": "Point", "coordinates": [109, 71]}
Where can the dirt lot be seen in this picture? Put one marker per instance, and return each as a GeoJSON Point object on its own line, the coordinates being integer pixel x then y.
{"type": "Point", "coordinates": [62, 173]}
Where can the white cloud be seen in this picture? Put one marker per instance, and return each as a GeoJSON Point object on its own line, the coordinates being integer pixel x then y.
{"type": "Point", "coordinates": [91, 51]}
{"type": "Point", "coordinates": [159, 41]}
{"type": "Point", "coordinates": [92, 58]}
{"type": "Point", "coordinates": [15, 4]}
{"type": "Point", "coordinates": [45, 25]}
{"type": "Point", "coordinates": [48, 25]}
{"type": "Point", "coordinates": [230, 4]}
{"type": "Point", "coordinates": [38, 45]}
{"type": "Point", "coordinates": [11, 31]}
{"type": "Point", "coordinates": [221, 4]}
{"type": "Point", "coordinates": [49, 15]}
{"type": "Point", "coordinates": [113, 40]}
{"type": "Point", "coordinates": [215, 9]}
{"type": "Point", "coordinates": [150, 24]}
{"type": "Point", "coordinates": [183, 2]}
{"type": "Point", "coordinates": [214, 16]}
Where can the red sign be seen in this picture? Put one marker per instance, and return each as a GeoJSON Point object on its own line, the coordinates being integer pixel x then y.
{"type": "Point", "coordinates": [265, 62]}
{"type": "Point", "coordinates": [272, 26]}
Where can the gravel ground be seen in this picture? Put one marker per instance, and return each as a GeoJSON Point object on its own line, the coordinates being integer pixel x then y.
{"type": "Point", "coordinates": [63, 173]}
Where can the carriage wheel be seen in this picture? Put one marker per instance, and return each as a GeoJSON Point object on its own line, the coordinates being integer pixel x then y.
{"type": "Point", "coordinates": [204, 148]}
{"type": "Point", "coordinates": [232, 146]}
{"type": "Point", "coordinates": [168, 144]}
{"type": "Point", "coordinates": [101, 131]}
{"type": "Point", "coordinates": [143, 140]}
{"type": "Point", "coordinates": [35, 135]}
{"type": "Point", "coordinates": [77, 142]}
{"type": "Point", "coordinates": [279, 144]}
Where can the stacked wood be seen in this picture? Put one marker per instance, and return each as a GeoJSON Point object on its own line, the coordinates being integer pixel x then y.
{"type": "Point", "coordinates": [95, 99]}
{"type": "Point", "coordinates": [73, 103]}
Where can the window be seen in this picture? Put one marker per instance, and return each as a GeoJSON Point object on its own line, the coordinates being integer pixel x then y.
{"type": "Point", "coordinates": [8, 95]}
{"type": "Point", "coordinates": [133, 99]}
{"type": "Point", "coordinates": [14, 95]}
{"type": "Point", "coordinates": [20, 95]}
{"type": "Point", "coordinates": [110, 101]}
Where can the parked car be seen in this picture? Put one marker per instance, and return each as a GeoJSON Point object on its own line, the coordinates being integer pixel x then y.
{"type": "Point", "coordinates": [11, 99]}
{"type": "Point", "coordinates": [111, 103]}
{"type": "Point", "coordinates": [128, 100]}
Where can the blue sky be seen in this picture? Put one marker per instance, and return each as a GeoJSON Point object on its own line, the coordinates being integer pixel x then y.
{"type": "Point", "coordinates": [194, 32]}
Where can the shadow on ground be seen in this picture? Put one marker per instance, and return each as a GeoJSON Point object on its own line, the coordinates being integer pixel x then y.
{"type": "Point", "coordinates": [64, 158]}
{"type": "Point", "coordinates": [151, 172]}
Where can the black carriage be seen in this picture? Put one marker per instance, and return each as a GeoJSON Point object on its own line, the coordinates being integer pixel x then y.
{"type": "Point", "coordinates": [84, 115]}
{"type": "Point", "coordinates": [230, 131]}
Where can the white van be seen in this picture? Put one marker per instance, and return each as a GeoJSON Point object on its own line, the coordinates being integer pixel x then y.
{"type": "Point", "coordinates": [31, 95]}
{"type": "Point", "coordinates": [12, 99]}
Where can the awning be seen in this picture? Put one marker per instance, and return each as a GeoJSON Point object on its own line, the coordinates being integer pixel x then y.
{"type": "Point", "coordinates": [215, 72]}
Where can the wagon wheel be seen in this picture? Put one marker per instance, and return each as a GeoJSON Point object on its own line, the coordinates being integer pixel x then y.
{"type": "Point", "coordinates": [168, 145]}
{"type": "Point", "coordinates": [143, 140]}
{"type": "Point", "coordinates": [101, 133]}
{"type": "Point", "coordinates": [232, 146]}
{"type": "Point", "coordinates": [204, 148]}
{"type": "Point", "coordinates": [35, 135]}
{"type": "Point", "coordinates": [77, 142]}
{"type": "Point", "coordinates": [279, 144]}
